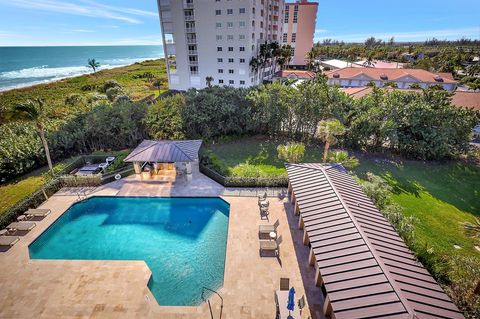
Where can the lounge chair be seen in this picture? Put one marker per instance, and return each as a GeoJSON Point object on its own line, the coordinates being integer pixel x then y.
{"type": "Point", "coordinates": [39, 212]}
{"type": "Point", "coordinates": [270, 246]}
{"type": "Point", "coordinates": [8, 241]}
{"type": "Point", "coordinates": [20, 226]}
{"type": "Point", "coordinates": [267, 229]}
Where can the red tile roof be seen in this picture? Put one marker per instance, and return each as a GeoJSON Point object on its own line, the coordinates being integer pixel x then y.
{"type": "Point", "coordinates": [391, 74]}
{"type": "Point", "coordinates": [460, 98]}
{"type": "Point", "coordinates": [366, 268]}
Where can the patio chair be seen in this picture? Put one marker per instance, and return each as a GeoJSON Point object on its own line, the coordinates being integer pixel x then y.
{"type": "Point", "coordinates": [301, 303]}
{"type": "Point", "coordinates": [267, 229]}
{"type": "Point", "coordinates": [284, 283]}
{"type": "Point", "coordinates": [20, 226]}
{"type": "Point", "coordinates": [39, 212]}
{"type": "Point", "coordinates": [270, 246]}
{"type": "Point", "coordinates": [262, 197]}
{"type": "Point", "coordinates": [264, 212]}
{"type": "Point", "coordinates": [263, 204]}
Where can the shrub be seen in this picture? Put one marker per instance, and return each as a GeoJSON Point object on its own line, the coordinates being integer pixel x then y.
{"type": "Point", "coordinates": [211, 160]}
{"type": "Point", "coordinates": [110, 84]}
{"type": "Point", "coordinates": [246, 170]}
{"type": "Point", "coordinates": [291, 152]}
{"type": "Point", "coordinates": [114, 92]}
{"type": "Point", "coordinates": [75, 99]}
{"type": "Point", "coordinates": [343, 158]}
{"type": "Point", "coordinates": [164, 119]}
{"type": "Point", "coordinates": [95, 97]}
{"type": "Point", "coordinates": [88, 87]}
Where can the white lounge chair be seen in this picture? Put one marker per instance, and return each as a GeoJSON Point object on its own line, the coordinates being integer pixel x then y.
{"type": "Point", "coordinates": [8, 241]}
{"type": "Point", "coordinates": [267, 229]}
{"type": "Point", "coordinates": [270, 246]}
{"type": "Point", "coordinates": [38, 212]}
{"type": "Point", "coordinates": [20, 226]}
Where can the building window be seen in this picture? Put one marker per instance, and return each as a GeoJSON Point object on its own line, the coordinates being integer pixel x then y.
{"type": "Point", "coordinates": [219, 49]}
{"type": "Point", "coordinates": [229, 24]}
{"type": "Point", "coordinates": [285, 37]}
{"type": "Point", "coordinates": [253, 10]}
{"type": "Point", "coordinates": [294, 37]}
{"type": "Point", "coordinates": [242, 49]}
{"type": "Point", "coordinates": [231, 71]}
{"type": "Point", "coordinates": [218, 25]}
{"type": "Point", "coordinates": [220, 60]}
{"type": "Point", "coordinates": [218, 12]}
{"type": "Point", "coordinates": [242, 82]}
{"type": "Point", "coordinates": [241, 36]}
{"type": "Point", "coordinates": [242, 60]}
{"type": "Point", "coordinates": [295, 17]}
{"type": "Point", "coordinates": [230, 49]}
{"type": "Point", "coordinates": [220, 81]}
{"type": "Point", "coordinates": [230, 60]}
{"type": "Point", "coordinates": [295, 8]}
{"type": "Point", "coordinates": [193, 69]}
{"type": "Point", "coordinates": [229, 11]}
{"type": "Point", "coordinates": [230, 37]}
{"type": "Point", "coordinates": [219, 37]}
{"type": "Point", "coordinates": [231, 82]}
{"type": "Point", "coordinates": [220, 70]}
{"type": "Point", "coordinates": [242, 24]}
{"type": "Point", "coordinates": [242, 10]}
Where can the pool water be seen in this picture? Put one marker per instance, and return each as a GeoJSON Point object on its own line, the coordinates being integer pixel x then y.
{"type": "Point", "coordinates": [182, 240]}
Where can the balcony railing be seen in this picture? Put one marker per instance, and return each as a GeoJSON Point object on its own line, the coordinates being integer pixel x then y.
{"type": "Point", "coordinates": [190, 30]}
{"type": "Point", "coordinates": [192, 52]}
{"type": "Point", "coordinates": [193, 62]}
{"type": "Point", "coordinates": [188, 5]}
{"type": "Point", "coordinates": [189, 17]}
{"type": "Point", "coordinates": [191, 41]}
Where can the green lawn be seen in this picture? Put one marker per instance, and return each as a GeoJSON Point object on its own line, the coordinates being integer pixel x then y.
{"type": "Point", "coordinates": [15, 190]}
{"type": "Point", "coordinates": [440, 196]}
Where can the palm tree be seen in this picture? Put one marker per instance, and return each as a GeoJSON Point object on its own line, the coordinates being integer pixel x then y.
{"type": "Point", "coordinates": [369, 61]}
{"type": "Point", "coordinates": [33, 111]}
{"type": "Point", "coordinates": [254, 65]}
{"type": "Point", "coordinates": [93, 64]}
{"type": "Point", "coordinates": [310, 58]}
{"type": "Point", "coordinates": [209, 80]}
{"type": "Point", "coordinates": [286, 54]}
{"type": "Point", "coordinates": [158, 84]}
{"type": "Point", "coordinates": [327, 131]}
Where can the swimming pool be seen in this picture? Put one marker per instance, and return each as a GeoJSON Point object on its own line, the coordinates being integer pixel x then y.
{"type": "Point", "coordinates": [182, 240]}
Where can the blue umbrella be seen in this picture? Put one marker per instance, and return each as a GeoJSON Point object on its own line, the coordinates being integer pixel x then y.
{"type": "Point", "coordinates": [291, 300]}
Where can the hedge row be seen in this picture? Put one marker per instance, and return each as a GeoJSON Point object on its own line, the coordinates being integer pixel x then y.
{"type": "Point", "coordinates": [233, 181]}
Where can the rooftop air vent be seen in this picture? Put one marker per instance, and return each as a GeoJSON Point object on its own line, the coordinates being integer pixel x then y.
{"type": "Point", "coordinates": [383, 76]}
{"type": "Point", "coordinates": [336, 75]}
{"type": "Point", "coordinates": [438, 78]}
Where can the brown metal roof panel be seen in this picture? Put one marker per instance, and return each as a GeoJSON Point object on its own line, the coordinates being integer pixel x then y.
{"type": "Point", "coordinates": [321, 255]}
{"type": "Point", "coordinates": [322, 214]}
{"type": "Point", "coordinates": [337, 222]}
{"type": "Point", "coordinates": [366, 301]}
{"type": "Point", "coordinates": [417, 267]}
{"type": "Point", "coordinates": [356, 282]}
{"type": "Point", "coordinates": [332, 237]}
{"type": "Point", "coordinates": [377, 311]}
{"type": "Point", "coordinates": [320, 218]}
{"type": "Point", "coordinates": [343, 259]}
{"type": "Point", "coordinates": [331, 230]}
{"type": "Point", "coordinates": [410, 274]}
{"type": "Point", "coordinates": [388, 245]}
{"type": "Point", "coordinates": [353, 266]}
{"type": "Point", "coordinates": [355, 292]}
{"type": "Point", "coordinates": [425, 309]}
{"type": "Point", "coordinates": [445, 304]}
{"type": "Point", "coordinates": [354, 273]}
{"type": "Point", "coordinates": [403, 257]}
{"type": "Point", "coordinates": [340, 246]}
{"type": "Point", "coordinates": [389, 239]}
{"type": "Point", "coordinates": [414, 282]}
{"type": "Point", "coordinates": [423, 291]}
{"type": "Point", "coordinates": [337, 240]}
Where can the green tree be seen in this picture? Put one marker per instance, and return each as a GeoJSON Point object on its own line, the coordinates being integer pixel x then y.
{"type": "Point", "coordinates": [327, 131]}
{"type": "Point", "coordinates": [342, 157]}
{"type": "Point", "coordinates": [35, 112]}
{"type": "Point", "coordinates": [291, 152]}
{"type": "Point", "coordinates": [164, 118]}
{"type": "Point", "coordinates": [93, 64]}
{"type": "Point", "coordinates": [208, 81]}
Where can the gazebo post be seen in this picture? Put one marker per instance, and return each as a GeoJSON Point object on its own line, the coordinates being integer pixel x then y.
{"type": "Point", "coordinates": [137, 167]}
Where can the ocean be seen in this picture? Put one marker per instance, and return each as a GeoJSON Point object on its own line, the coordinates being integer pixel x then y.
{"type": "Point", "coordinates": [25, 66]}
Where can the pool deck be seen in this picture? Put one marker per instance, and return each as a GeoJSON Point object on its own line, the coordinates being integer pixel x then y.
{"type": "Point", "coordinates": [118, 289]}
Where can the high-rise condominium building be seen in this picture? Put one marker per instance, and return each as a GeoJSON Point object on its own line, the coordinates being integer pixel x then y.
{"type": "Point", "coordinates": [299, 28]}
{"type": "Point", "coordinates": [217, 39]}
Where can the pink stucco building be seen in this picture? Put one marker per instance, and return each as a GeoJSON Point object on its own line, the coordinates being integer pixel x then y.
{"type": "Point", "coordinates": [299, 28]}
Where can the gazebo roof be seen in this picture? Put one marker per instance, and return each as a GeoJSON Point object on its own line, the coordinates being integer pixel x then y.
{"type": "Point", "coordinates": [167, 151]}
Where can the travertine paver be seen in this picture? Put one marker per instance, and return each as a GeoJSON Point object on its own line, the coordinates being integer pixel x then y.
{"type": "Point", "coordinates": [118, 289]}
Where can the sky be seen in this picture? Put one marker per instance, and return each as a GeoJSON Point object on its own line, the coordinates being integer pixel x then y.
{"type": "Point", "coordinates": [132, 22]}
